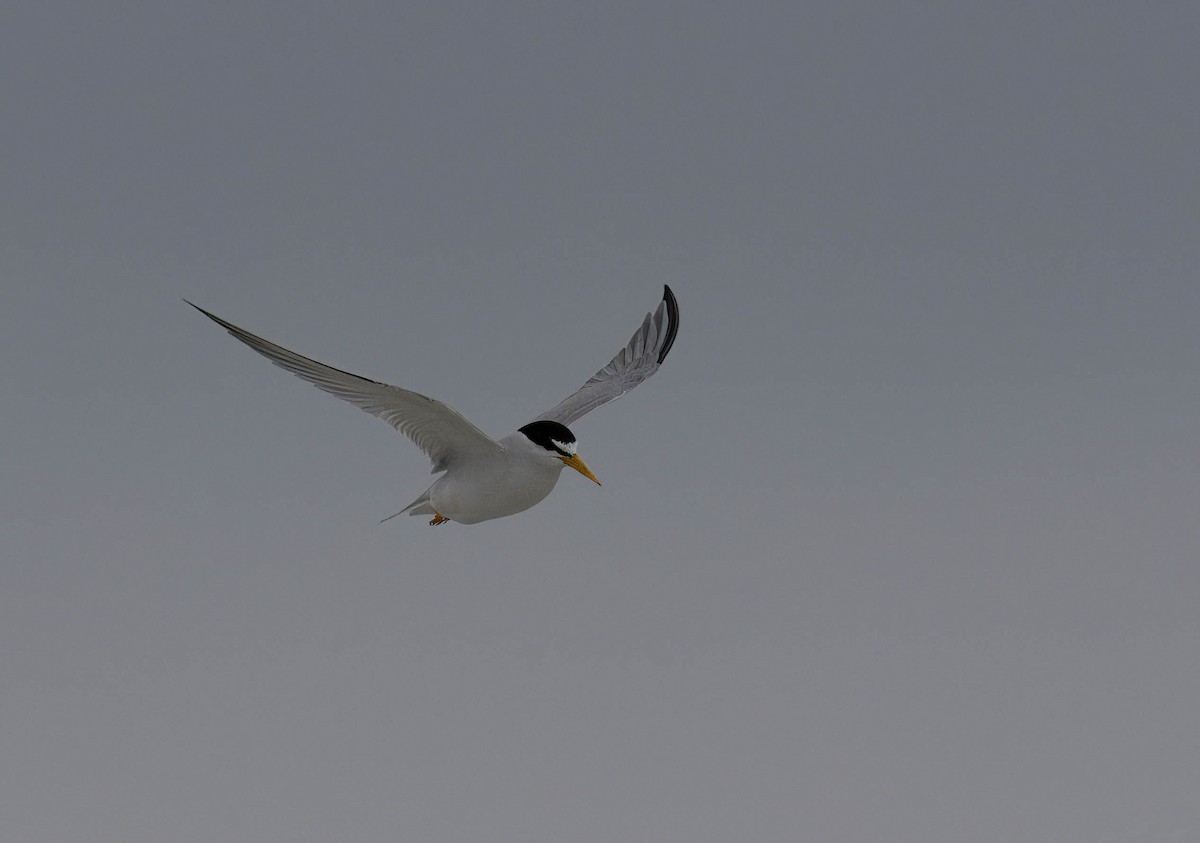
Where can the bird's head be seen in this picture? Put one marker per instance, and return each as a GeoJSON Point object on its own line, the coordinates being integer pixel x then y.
{"type": "Point", "coordinates": [559, 442]}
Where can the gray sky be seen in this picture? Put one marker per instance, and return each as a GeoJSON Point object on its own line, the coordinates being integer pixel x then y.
{"type": "Point", "coordinates": [901, 544]}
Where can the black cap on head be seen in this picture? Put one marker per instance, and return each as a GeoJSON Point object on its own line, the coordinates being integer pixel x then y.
{"type": "Point", "coordinates": [554, 437]}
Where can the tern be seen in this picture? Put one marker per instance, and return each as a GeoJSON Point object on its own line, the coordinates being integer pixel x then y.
{"type": "Point", "coordinates": [484, 478]}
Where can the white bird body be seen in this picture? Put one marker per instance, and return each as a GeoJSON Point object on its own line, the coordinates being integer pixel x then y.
{"type": "Point", "coordinates": [492, 487]}
{"type": "Point", "coordinates": [485, 478]}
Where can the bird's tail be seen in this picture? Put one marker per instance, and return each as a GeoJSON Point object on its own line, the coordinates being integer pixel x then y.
{"type": "Point", "coordinates": [421, 506]}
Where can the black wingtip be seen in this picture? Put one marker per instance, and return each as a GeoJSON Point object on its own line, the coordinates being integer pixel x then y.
{"type": "Point", "coordinates": [228, 326]}
{"type": "Point", "coordinates": [672, 319]}
{"type": "Point", "coordinates": [205, 312]}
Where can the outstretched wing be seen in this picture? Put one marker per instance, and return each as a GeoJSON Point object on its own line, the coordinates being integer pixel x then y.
{"type": "Point", "coordinates": [442, 433]}
{"type": "Point", "coordinates": [633, 364]}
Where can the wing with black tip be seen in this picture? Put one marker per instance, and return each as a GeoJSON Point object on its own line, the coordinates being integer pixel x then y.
{"type": "Point", "coordinates": [638, 360]}
{"type": "Point", "coordinates": [441, 432]}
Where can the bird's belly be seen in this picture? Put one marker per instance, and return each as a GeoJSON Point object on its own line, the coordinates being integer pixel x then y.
{"type": "Point", "coordinates": [471, 497]}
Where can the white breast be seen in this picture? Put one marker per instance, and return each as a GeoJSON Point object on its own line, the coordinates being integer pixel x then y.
{"type": "Point", "coordinates": [481, 490]}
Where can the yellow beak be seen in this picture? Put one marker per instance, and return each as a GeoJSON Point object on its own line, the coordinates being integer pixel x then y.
{"type": "Point", "coordinates": [577, 464]}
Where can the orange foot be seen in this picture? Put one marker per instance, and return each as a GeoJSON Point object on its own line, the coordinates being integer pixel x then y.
{"type": "Point", "coordinates": [438, 518]}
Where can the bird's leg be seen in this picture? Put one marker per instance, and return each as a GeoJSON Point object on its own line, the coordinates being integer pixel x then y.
{"type": "Point", "coordinates": [438, 518]}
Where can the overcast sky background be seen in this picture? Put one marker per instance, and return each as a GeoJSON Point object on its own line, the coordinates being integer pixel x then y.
{"type": "Point", "coordinates": [901, 544]}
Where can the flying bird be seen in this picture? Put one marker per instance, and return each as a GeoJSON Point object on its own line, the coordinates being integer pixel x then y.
{"type": "Point", "coordinates": [484, 478]}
